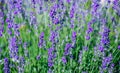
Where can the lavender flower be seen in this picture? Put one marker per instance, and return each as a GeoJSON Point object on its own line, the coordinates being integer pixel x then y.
{"type": "Point", "coordinates": [6, 66]}
{"type": "Point", "coordinates": [67, 49]}
{"type": "Point", "coordinates": [87, 37]}
{"type": "Point", "coordinates": [116, 6]}
{"type": "Point", "coordinates": [72, 11]}
{"type": "Point", "coordinates": [95, 5]}
{"type": "Point", "coordinates": [2, 23]}
{"type": "Point", "coordinates": [17, 6]}
{"type": "Point", "coordinates": [13, 48]}
{"type": "Point", "coordinates": [1, 32]}
{"type": "Point", "coordinates": [9, 26]}
{"type": "Point", "coordinates": [50, 71]}
{"type": "Point", "coordinates": [106, 61]}
{"type": "Point", "coordinates": [56, 20]}
{"type": "Point", "coordinates": [25, 49]}
{"type": "Point", "coordinates": [51, 56]}
{"type": "Point", "coordinates": [41, 40]}
{"type": "Point", "coordinates": [104, 41]}
{"type": "Point", "coordinates": [33, 1]}
{"type": "Point", "coordinates": [64, 60]}
{"type": "Point", "coordinates": [16, 29]}
{"type": "Point", "coordinates": [68, 1]}
{"type": "Point", "coordinates": [53, 13]}
{"type": "Point", "coordinates": [53, 10]}
{"type": "Point", "coordinates": [57, 12]}
{"type": "Point", "coordinates": [89, 30]}
{"type": "Point", "coordinates": [80, 56]}
{"type": "Point", "coordinates": [38, 57]}
{"type": "Point", "coordinates": [33, 20]}
{"type": "Point", "coordinates": [53, 37]}
{"type": "Point", "coordinates": [72, 24]}
{"type": "Point", "coordinates": [85, 48]}
{"type": "Point", "coordinates": [110, 70]}
{"type": "Point", "coordinates": [74, 35]}
{"type": "Point", "coordinates": [21, 65]}
{"type": "Point", "coordinates": [119, 47]}
{"type": "Point", "coordinates": [105, 36]}
{"type": "Point", "coordinates": [101, 48]}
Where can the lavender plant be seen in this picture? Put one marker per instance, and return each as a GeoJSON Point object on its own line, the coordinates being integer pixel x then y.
{"type": "Point", "coordinates": [59, 36]}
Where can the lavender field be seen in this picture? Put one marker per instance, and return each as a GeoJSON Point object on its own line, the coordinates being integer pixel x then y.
{"type": "Point", "coordinates": [59, 36]}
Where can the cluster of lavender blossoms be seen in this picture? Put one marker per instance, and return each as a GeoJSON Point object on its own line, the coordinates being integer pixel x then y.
{"type": "Point", "coordinates": [13, 47]}
{"type": "Point", "coordinates": [89, 30]}
{"type": "Point", "coordinates": [53, 13]}
{"type": "Point", "coordinates": [104, 41]}
{"type": "Point", "coordinates": [82, 36]}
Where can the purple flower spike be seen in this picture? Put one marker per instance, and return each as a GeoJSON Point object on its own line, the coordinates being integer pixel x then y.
{"type": "Point", "coordinates": [41, 40]}
{"type": "Point", "coordinates": [6, 66]}
{"type": "Point", "coordinates": [13, 47]}
{"type": "Point", "coordinates": [105, 36]}
{"type": "Point", "coordinates": [106, 61]}
{"type": "Point", "coordinates": [38, 57]}
{"type": "Point", "coordinates": [67, 48]}
{"type": "Point", "coordinates": [87, 37]}
{"type": "Point", "coordinates": [85, 48]}
{"type": "Point", "coordinates": [51, 56]}
{"type": "Point", "coordinates": [101, 48]}
{"type": "Point", "coordinates": [64, 60]}
{"type": "Point", "coordinates": [74, 35]}
{"type": "Point", "coordinates": [89, 29]}
{"type": "Point", "coordinates": [53, 37]}
{"type": "Point", "coordinates": [72, 11]}
{"type": "Point", "coordinates": [68, 1]}
{"type": "Point", "coordinates": [119, 47]}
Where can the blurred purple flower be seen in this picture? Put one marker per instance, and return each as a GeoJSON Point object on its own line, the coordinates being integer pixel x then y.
{"type": "Point", "coordinates": [80, 56]}
{"type": "Point", "coordinates": [116, 6]}
{"type": "Point", "coordinates": [105, 36]}
{"type": "Point", "coordinates": [6, 66]}
{"type": "Point", "coordinates": [101, 48]}
{"type": "Point", "coordinates": [85, 48]}
{"type": "Point", "coordinates": [68, 1]}
{"type": "Point", "coordinates": [95, 5]}
{"type": "Point", "coordinates": [72, 11]}
{"type": "Point", "coordinates": [52, 14]}
{"type": "Point", "coordinates": [41, 40]}
{"type": "Point", "coordinates": [53, 37]}
{"type": "Point", "coordinates": [74, 35]}
{"type": "Point", "coordinates": [33, 19]}
{"type": "Point", "coordinates": [67, 48]}
{"type": "Point", "coordinates": [51, 56]}
{"type": "Point", "coordinates": [111, 69]}
{"type": "Point", "coordinates": [55, 20]}
{"type": "Point", "coordinates": [119, 47]}
{"type": "Point", "coordinates": [13, 48]}
{"type": "Point", "coordinates": [38, 57]}
{"type": "Point", "coordinates": [87, 37]}
{"type": "Point", "coordinates": [21, 65]}
{"type": "Point", "coordinates": [64, 60]}
{"type": "Point", "coordinates": [89, 29]}
{"type": "Point", "coordinates": [50, 71]}
{"type": "Point", "coordinates": [106, 61]}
